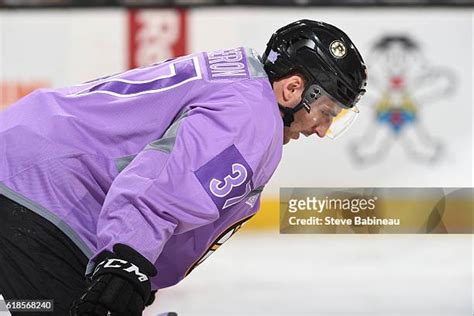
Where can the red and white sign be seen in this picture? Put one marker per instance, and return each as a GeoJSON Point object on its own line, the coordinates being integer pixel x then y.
{"type": "Point", "coordinates": [156, 35]}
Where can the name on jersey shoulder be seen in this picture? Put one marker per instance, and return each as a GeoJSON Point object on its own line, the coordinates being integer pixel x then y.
{"type": "Point", "coordinates": [227, 63]}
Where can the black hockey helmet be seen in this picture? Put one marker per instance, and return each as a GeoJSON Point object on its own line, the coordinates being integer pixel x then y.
{"type": "Point", "coordinates": [324, 55]}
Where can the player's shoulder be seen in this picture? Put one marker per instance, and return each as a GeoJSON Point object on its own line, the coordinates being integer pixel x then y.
{"type": "Point", "coordinates": [238, 63]}
{"type": "Point", "coordinates": [237, 90]}
{"type": "Point", "coordinates": [259, 115]}
{"type": "Point", "coordinates": [261, 106]}
{"type": "Point", "coordinates": [258, 96]}
{"type": "Point", "coordinates": [241, 105]}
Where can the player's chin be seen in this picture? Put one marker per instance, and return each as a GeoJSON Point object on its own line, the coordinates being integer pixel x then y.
{"type": "Point", "coordinates": [286, 140]}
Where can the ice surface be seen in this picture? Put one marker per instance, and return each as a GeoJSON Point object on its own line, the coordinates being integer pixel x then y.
{"type": "Point", "coordinates": [272, 274]}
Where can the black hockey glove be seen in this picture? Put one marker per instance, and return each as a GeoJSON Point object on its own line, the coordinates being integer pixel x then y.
{"type": "Point", "coordinates": [120, 285]}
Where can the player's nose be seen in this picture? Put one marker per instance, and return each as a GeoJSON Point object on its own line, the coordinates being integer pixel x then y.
{"type": "Point", "coordinates": [322, 129]}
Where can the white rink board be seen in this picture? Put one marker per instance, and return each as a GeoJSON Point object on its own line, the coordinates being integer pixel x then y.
{"type": "Point", "coordinates": [302, 275]}
{"type": "Point", "coordinates": [64, 47]}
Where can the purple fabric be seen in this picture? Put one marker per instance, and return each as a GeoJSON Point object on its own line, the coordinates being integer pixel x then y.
{"type": "Point", "coordinates": [183, 70]}
{"type": "Point", "coordinates": [60, 148]}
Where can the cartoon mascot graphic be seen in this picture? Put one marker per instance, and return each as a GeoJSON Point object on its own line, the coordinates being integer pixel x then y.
{"type": "Point", "coordinates": [401, 82]}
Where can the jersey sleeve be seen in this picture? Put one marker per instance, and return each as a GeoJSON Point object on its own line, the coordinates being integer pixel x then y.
{"type": "Point", "coordinates": [179, 182]}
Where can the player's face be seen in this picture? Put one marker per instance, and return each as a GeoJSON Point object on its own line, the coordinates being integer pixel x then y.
{"type": "Point", "coordinates": [317, 121]}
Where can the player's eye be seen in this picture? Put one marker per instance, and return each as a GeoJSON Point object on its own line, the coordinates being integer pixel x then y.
{"type": "Point", "coordinates": [326, 113]}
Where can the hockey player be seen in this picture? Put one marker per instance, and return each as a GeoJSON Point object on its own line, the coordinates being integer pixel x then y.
{"type": "Point", "coordinates": [142, 175]}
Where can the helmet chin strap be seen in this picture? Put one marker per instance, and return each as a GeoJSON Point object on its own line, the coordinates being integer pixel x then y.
{"type": "Point", "coordinates": [307, 97]}
{"type": "Point", "coordinates": [289, 113]}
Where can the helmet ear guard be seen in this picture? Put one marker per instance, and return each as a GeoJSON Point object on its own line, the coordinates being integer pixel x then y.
{"type": "Point", "coordinates": [310, 94]}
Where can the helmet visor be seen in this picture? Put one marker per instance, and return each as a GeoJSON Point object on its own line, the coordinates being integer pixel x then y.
{"type": "Point", "coordinates": [342, 122]}
{"type": "Point", "coordinates": [341, 115]}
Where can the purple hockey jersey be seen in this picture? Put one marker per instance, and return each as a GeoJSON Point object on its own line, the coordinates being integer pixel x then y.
{"type": "Point", "coordinates": [169, 159]}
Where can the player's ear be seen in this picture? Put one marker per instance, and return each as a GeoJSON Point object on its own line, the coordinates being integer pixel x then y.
{"type": "Point", "coordinates": [293, 88]}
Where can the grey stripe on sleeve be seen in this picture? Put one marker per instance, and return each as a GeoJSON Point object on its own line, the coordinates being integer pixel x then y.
{"type": "Point", "coordinates": [166, 142]}
{"type": "Point", "coordinates": [122, 162]}
{"type": "Point", "coordinates": [47, 214]}
{"type": "Point", "coordinates": [254, 64]}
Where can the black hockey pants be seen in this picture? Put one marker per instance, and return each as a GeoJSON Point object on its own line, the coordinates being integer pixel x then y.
{"type": "Point", "coordinates": [37, 260]}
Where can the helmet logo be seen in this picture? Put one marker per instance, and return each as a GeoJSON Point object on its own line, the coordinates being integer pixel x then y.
{"type": "Point", "coordinates": [338, 49]}
{"type": "Point", "coordinates": [272, 56]}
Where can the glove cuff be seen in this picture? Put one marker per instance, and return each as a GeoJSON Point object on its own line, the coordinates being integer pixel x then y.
{"type": "Point", "coordinates": [128, 264]}
{"type": "Point", "coordinates": [130, 254]}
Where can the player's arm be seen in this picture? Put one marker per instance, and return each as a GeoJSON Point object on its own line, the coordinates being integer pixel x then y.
{"type": "Point", "coordinates": [176, 184]}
